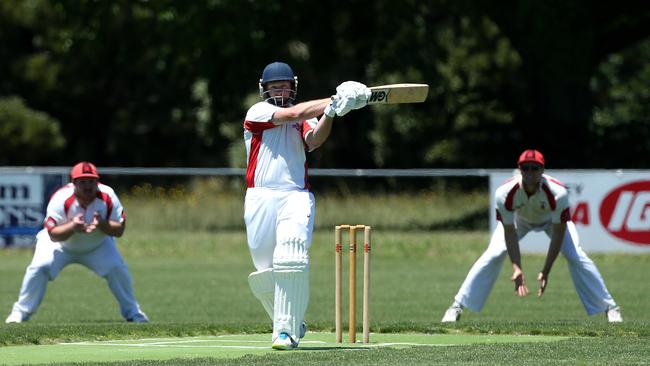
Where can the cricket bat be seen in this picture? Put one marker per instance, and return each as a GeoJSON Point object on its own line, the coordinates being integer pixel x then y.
{"type": "Point", "coordinates": [398, 93]}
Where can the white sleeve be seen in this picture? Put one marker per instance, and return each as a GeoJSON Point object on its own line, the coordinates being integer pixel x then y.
{"type": "Point", "coordinates": [117, 214]}
{"type": "Point", "coordinates": [261, 112]}
{"type": "Point", "coordinates": [504, 215]}
{"type": "Point", "coordinates": [56, 211]}
{"type": "Point", "coordinates": [561, 213]}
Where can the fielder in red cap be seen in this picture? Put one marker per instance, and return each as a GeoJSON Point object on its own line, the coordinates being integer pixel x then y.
{"type": "Point", "coordinates": [533, 201]}
{"type": "Point", "coordinates": [82, 221]}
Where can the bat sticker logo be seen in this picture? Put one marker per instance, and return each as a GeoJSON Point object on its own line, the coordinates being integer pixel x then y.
{"type": "Point", "coordinates": [378, 96]}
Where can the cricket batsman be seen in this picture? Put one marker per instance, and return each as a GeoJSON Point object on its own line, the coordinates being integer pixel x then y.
{"type": "Point", "coordinates": [279, 207]}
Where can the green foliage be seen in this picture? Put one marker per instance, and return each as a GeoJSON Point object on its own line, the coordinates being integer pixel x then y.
{"type": "Point", "coordinates": [27, 136]}
{"type": "Point", "coordinates": [620, 118]}
{"type": "Point", "coordinates": [167, 83]}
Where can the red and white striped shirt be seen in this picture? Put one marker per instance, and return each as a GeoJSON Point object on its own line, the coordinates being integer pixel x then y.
{"type": "Point", "coordinates": [549, 204]}
{"type": "Point", "coordinates": [275, 153]}
{"type": "Point", "coordinates": [63, 207]}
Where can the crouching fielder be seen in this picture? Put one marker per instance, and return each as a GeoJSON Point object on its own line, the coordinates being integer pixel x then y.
{"type": "Point", "coordinates": [533, 201]}
{"type": "Point", "coordinates": [83, 217]}
{"type": "Point", "coordinates": [279, 208]}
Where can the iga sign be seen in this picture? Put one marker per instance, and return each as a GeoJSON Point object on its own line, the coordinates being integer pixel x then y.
{"type": "Point", "coordinates": [23, 201]}
{"type": "Point", "coordinates": [611, 209]}
{"type": "Point", "coordinates": [625, 212]}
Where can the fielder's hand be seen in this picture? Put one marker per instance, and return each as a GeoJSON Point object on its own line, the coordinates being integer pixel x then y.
{"type": "Point", "coordinates": [79, 223]}
{"type": "Point", "coordinates": [520, 283]}
{"type": "Point", "coordinates": [543, 281]}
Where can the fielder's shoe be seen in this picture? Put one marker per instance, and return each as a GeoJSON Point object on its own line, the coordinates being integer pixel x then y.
{"type": "Point", "coordinates": [452, 314]}
{"type": "Point", "coordinates": [303, 330]}
{"type": "Point", "coordinates": [15, 317]}
{"type": "Point", "coordinates": [284, 342]}
{"type": "Point", "coordinates": [139, 318]}
{"type": "Point", "coordinates": [614, 315]}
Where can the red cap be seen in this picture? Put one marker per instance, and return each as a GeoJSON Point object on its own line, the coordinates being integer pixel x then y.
{"type": "Point", "coordinates": [531, 156]}
{"type": "Point", "coordinates": [84, 169]}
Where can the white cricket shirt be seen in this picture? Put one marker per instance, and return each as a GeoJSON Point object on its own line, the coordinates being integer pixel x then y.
{"type": "Point", "coordinates": [63, 207]}
{"type": "Point", "coordinates": [549, 204]}
{"type": "Point", "coordinates": [275, 153]}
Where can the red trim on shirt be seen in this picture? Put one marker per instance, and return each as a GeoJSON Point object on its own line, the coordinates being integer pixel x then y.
{"type": "Point", "coordinates": [306, 127]}
{"type": "Point", "coordinates": [256, 142]}
{"type": "Point", "coordinates": [510, 198]}
{"type": "Point", "coordinates": [108, 201]}
{"type": "Point", "coordinates": [499, 218]}
{"type": "Point", "coordinates": [549, 196]}
{"type": "Point", "coordinates": [50, 224]}
{"type": "Point", "coordinates": [555, 181]}
{"type": "Point", "coordinates": [566, 215]}
{"type": "Point", "coordinates": [67, 203]}
{"type": "Point", "coordinates": [257, 128]}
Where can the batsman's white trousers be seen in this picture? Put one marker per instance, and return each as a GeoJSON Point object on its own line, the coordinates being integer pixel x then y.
{"type": "Point", "coordinates": [279, 227]}
{"type": "Point", "coordinates": [274, 217]}
{"type": "Point", "coordinates": [588, 282]}
{"type": "Point", "coordinates": [50, 258]}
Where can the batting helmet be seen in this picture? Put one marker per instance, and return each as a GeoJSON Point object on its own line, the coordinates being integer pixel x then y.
{"type": "Point", "coordinates": [84, 169]}
{"type": "Point", "coordinates": [278, 71]}
{"type": "Point", "coordinates": [531, 156]}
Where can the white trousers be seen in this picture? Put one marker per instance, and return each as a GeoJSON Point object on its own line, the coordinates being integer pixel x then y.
{"type": "Point", "coordinates": [274, 217]}
{"type": "Point", "coordinates": [279, 227]}
{"type": "Point", "coordinates": [587, 280]}
{"type": "Point", "coordinates": [50, 258]}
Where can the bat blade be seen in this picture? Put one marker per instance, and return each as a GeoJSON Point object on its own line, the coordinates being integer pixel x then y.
{"type": "Point", "coordinates": [398, 93]}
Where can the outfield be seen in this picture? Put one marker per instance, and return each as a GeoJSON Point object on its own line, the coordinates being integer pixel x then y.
{"type": "Point", "coordinates": [193, 284]}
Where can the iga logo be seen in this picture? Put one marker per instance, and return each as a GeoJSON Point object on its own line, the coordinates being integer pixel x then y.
{"type": "Point", "coordinates": [625, 212]}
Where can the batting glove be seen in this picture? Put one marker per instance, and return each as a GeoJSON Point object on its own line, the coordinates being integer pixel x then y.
{"type": "Point", "coordinates": [330, 110]}
{"type": "Point", "coordinates": [344, 105]}
{"type": "Point", "coordinates": [353, 89]}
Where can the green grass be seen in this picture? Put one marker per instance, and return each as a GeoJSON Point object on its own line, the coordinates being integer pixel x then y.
{"type": "Point", "coordinates": [193, 282]}
{"type": "Point", "coordinates": [237, 346]}
{"type": "Point", "coordinates": [211, 204]}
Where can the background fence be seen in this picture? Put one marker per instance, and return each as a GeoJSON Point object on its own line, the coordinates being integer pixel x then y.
{"type": "Point", "coordinates": [611, 208]}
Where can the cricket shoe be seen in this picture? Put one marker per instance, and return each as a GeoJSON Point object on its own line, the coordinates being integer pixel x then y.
{"type": "Point", "coordinates": [139, 318]}
{"type": "Point", "coordinates": [614, 314]}
{"type": "Point", "coordinates": [16, 317]}
{"type": "Point", "coordinates": [452, 314]}
{"type": "Point", "coordinates": [284, 342]}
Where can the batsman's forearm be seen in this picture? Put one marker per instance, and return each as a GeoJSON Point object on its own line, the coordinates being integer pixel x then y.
{"type": "Point", "coordinates": [320, 133]}
{"type": "Point", "coordinates": [301, 111]}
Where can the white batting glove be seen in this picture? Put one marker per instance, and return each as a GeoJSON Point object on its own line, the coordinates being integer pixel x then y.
{"type": "Point", "coordinates": [353, 89]}
{"type": "Point", "coordinates": [344, 105]}
{"type": "Point", "coordinates": [330, 110]}
{"type": "Point", "coordinates": [363, 94]}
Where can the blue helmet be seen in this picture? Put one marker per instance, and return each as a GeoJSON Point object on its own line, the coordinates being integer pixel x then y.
{"type": "Point", "coordinates": [277, 71]}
